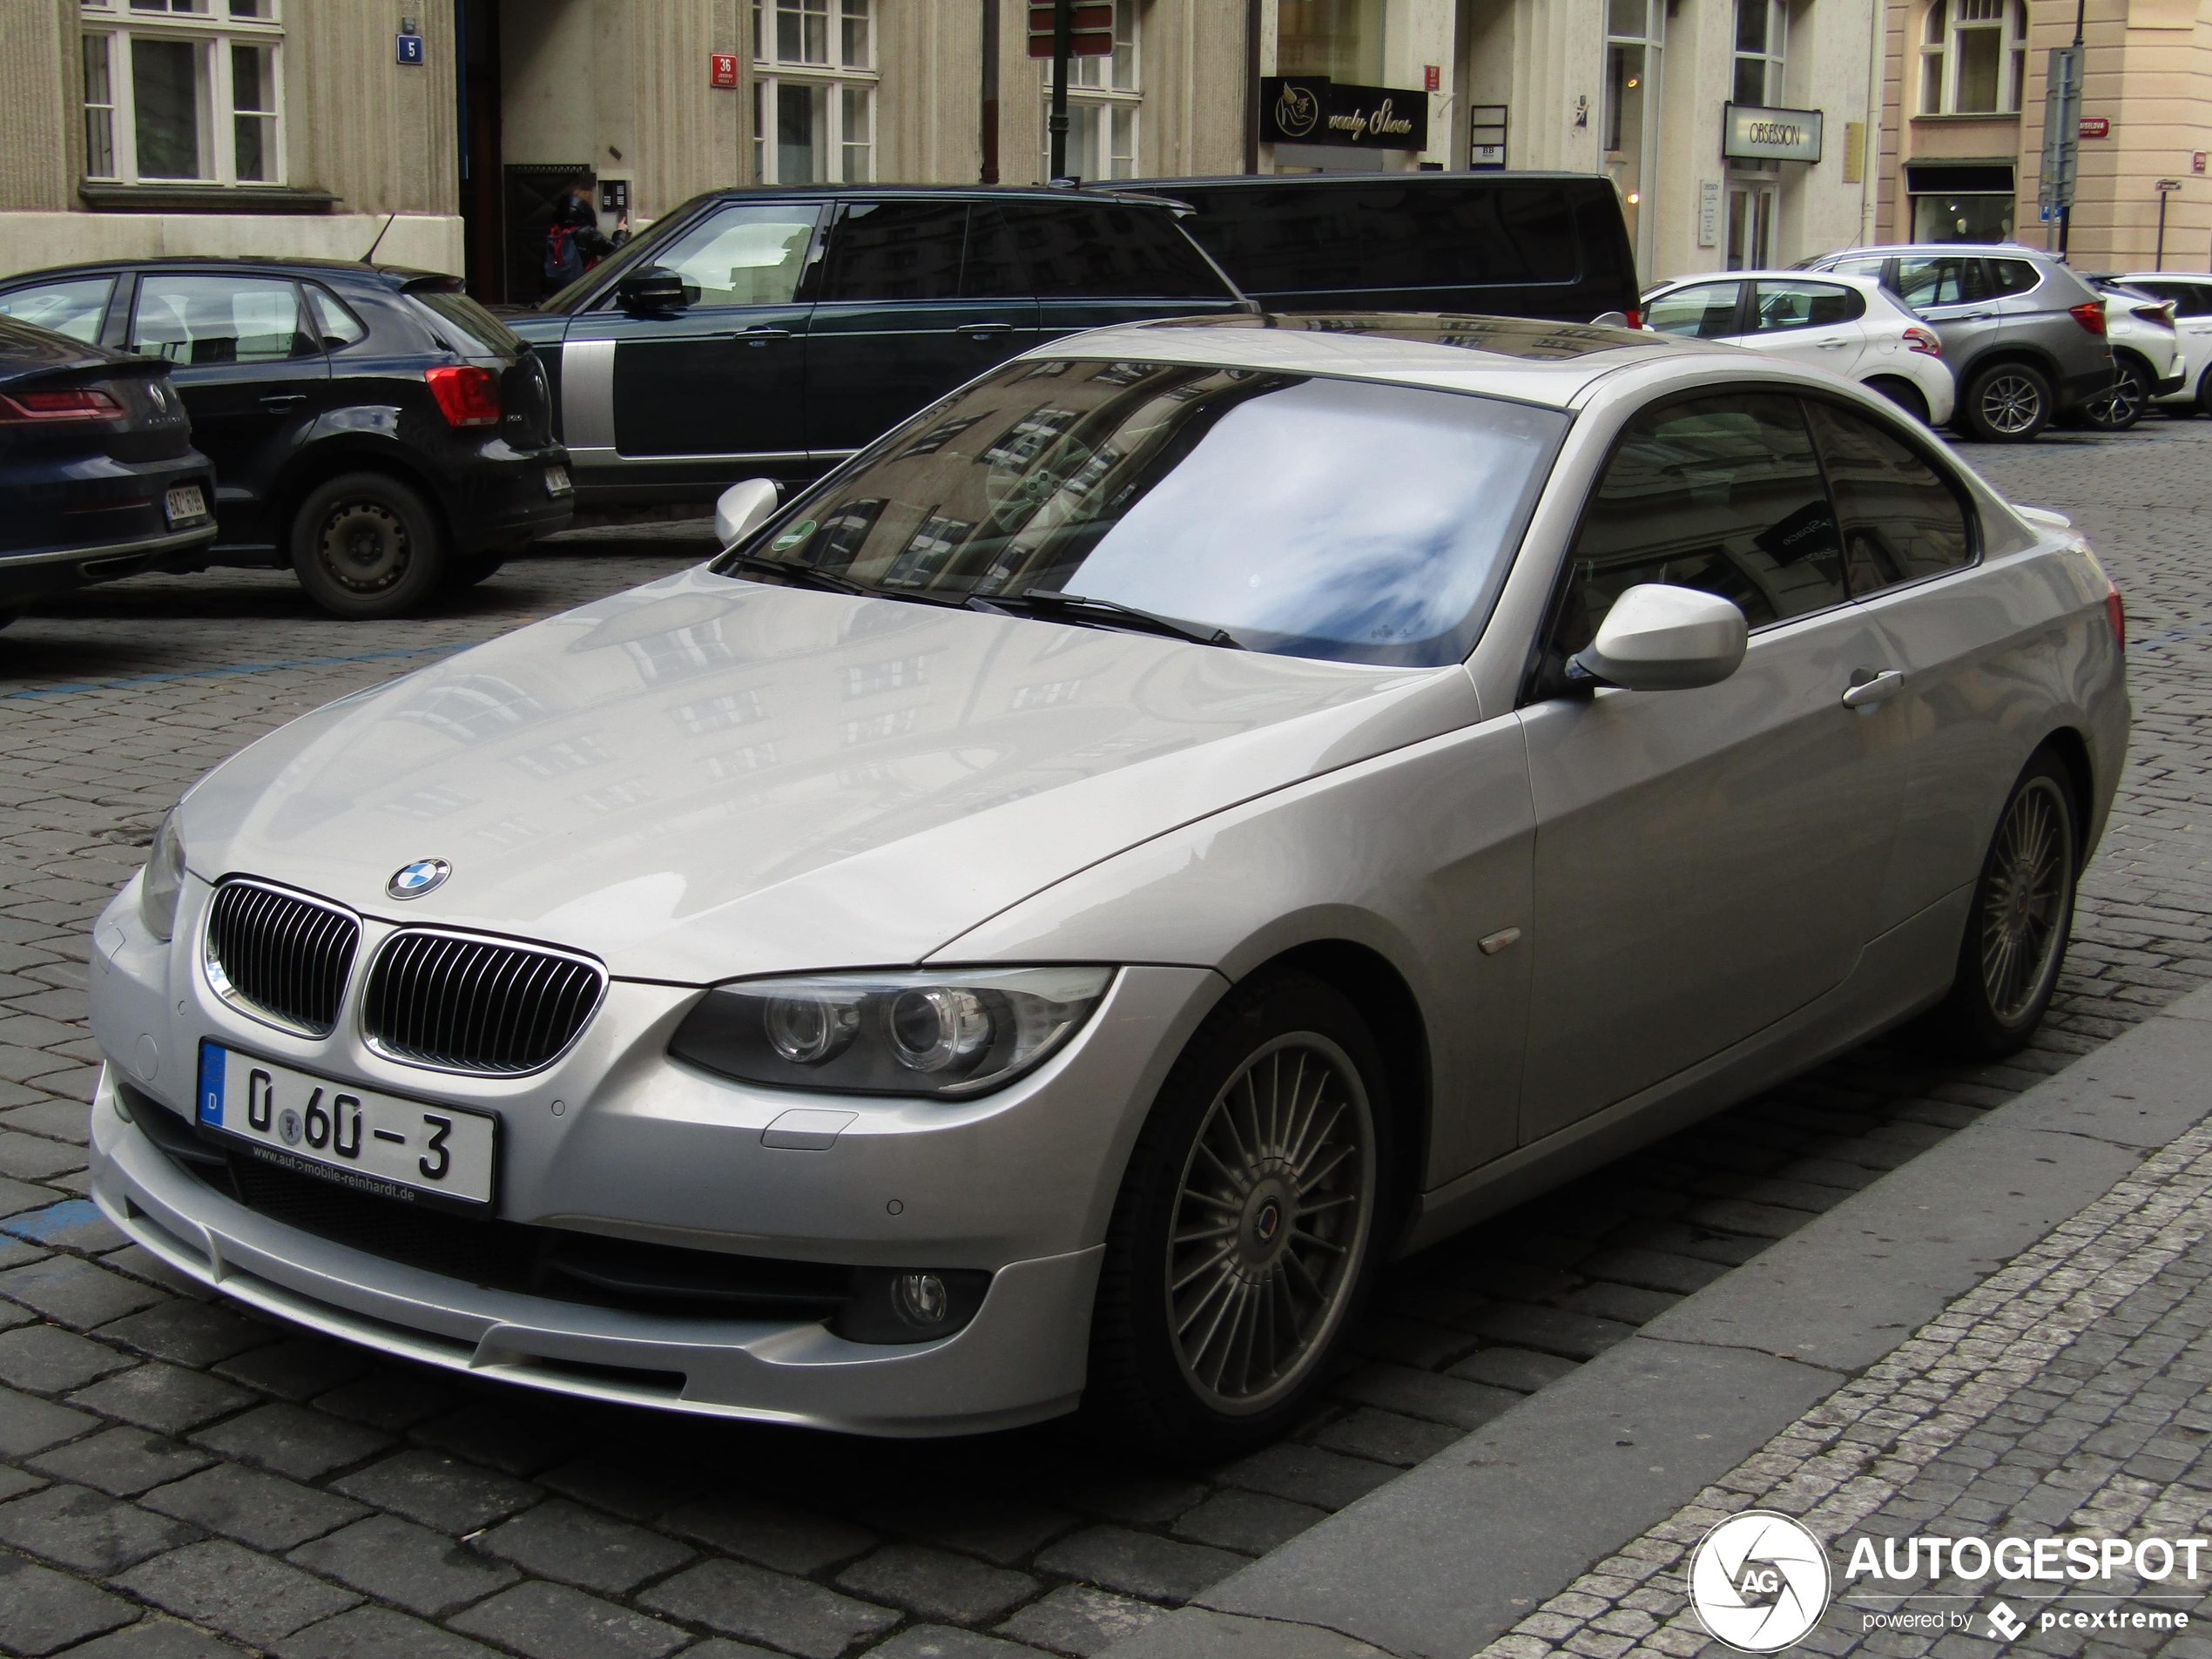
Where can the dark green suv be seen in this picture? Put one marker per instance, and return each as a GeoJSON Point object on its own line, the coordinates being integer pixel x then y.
{"type": "Point", "coordinates": [772, 333]}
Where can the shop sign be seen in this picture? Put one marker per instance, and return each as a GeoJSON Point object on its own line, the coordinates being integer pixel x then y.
{"type": "Point", "coordinates": [1314, 109]}
{"type": "Point", "coordinates": [1751, 133]}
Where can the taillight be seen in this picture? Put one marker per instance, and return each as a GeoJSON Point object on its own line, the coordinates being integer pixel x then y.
{"type": "Point", "coordinates": [44, 408]}
{"type": "Point", "coordinates": [2090, 313]}
{"type": "Point", "coordinates": [467, 395]}
{"type": "Point", "coordinates": [2118, 612]}
{"type": "Point", "coordinates": [1923, 341]}
{"type": "Point", "coordinates": [2162, 315]}
{"type": "Point", "coordinates": [1635, 318]}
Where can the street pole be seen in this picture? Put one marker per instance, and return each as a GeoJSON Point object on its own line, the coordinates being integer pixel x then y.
{"type": "Point", "coordinates": [1064, 22]}
{"type": "Point", "coordinates": [2160, 263]}
{"type": "Point", "coordinates": [2065, 205]}
{"type": "Point", "coordinates": [989, 134]}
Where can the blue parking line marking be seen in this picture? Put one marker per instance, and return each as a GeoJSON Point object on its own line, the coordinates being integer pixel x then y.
{"type": "Point", "coordinates": [55, 1219]}
{"type": "Point", "coordinates": [234, 669]}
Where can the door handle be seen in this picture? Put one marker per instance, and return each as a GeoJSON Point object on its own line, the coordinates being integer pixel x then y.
{"type": "Point", "coordinates": [280, 401]}
{"type": "Point", "coordinates": [983, 328]}
{"type": "Point", "coordinates": [1831, 345]}
{"type": "Point", "coordinates": [761, 336]}
{"type": "Point", "coordinates": [1873, 688]}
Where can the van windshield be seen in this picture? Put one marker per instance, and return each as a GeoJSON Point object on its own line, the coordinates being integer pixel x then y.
{"type": "Point", "coordinates": [1296, 514]}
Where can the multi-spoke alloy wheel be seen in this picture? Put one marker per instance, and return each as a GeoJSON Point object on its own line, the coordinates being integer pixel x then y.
{"type": "Point", "coordinates": [1269, 1222]}
{"type": "Point", "coordinates": [2024, 899]}
{"type": "Point", "coordinates": [1256, 1208]}
{"type": "Point", "coordinates": [2016, 928]}
{"type": "Point", "coordinates": [2123, 406]}
{"type": "Point", "coordinates": [2012, 404]}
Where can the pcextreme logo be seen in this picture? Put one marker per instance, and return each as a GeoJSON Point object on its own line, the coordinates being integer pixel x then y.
{"type": "Point", "coordinates": [1760, 1582]}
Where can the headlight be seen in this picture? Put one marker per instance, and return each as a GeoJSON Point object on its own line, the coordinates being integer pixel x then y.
{"type": "Point", "coordinates": [165, 878]}
{"type": "Point", "coordinates": [949, 1034]}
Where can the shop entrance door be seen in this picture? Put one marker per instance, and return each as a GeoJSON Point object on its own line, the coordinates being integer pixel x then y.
{"type": "Point", "coordinates": [1750, 224]}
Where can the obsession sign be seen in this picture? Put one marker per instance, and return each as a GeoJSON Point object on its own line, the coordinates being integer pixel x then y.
{"type": "Point", "coordinates": [1314, 109]}
{"type": "Point", "coordinates": [1751, 132]}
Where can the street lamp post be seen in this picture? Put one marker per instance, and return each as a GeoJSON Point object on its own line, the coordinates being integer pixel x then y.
{"type": "Point", "coordinates": [2066, 205]}
{"type": "Point", "coordinates": [1063, 20]}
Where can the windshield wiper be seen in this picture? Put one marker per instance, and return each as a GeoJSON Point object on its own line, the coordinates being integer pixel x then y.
{"type": "Point", "coordinates": [1050, 603]}
{"type": "Point", "coordinates": [804, 574]}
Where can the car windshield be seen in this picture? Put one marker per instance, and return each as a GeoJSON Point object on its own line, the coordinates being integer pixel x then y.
{"type": "Point", "coordinates": [1304, 516]}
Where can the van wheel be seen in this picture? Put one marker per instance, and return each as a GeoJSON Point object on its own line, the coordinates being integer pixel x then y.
{"type": "Point", "coordinates": [2006, 403]}
{"type": "Point", "coordinates": [365, 546]}
{"type": "Point", "coordinates": [1249, 1228]}
{"type": "Point", "coordinates": [1904, 395]}
{"type": "Point", "coordinates": [2017, 929]}
{"type": "Point", "coordinates": [2122, 406]}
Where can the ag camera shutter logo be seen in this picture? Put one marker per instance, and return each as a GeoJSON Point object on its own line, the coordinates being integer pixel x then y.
{"type": "Point", "coordinates": [1759, 1580]}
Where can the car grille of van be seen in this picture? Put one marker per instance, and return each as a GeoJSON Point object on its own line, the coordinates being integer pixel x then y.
{"type": "Point", "coordinates": [461, 1003]}
{"type": "Point", "coordinates": [283, 959]}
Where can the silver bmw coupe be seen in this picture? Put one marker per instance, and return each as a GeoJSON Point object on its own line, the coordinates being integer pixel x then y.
{"type": "Point", "coordinates": [1057, 905]}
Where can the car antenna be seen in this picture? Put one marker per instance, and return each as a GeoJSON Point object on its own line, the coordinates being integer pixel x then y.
{"type": "Point", "coordinates": [378, 242]}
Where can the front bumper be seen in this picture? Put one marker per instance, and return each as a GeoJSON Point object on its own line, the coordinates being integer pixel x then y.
{"type": "Point", "coordinates": [615, 1140]}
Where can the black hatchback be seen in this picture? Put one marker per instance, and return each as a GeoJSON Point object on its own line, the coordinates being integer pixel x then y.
{"type": "Point", "coordinates": [373, 428]}
{"type": "Point", "coordinates": [774, 331]}
{"type": "Point", "coordinates": [97, 467]}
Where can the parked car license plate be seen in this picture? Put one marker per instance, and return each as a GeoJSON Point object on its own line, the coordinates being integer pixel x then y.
{"type": "Point", "coordinates": [358, 1137]}
{"type": "Point", "coordinates": [185, 501]}
{"type": "Point", "coordinates": [557, 481]}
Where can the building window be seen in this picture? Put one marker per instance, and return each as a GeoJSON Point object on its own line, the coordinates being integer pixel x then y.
{"type": "Point", "coordinates": [1762, 33]}
{"type": "Point", "coordinates": [813, 91]}
{"type": "Point", "coordinates": [1103, 98]}
{"type": "Point", "coordinates": [182, 90]}
{"type": "Point", "coordinates": [1342, 39]}
{"type": "Point", "coordinates": [1632, 43]}
{"type": "Point", "coordinates": [1974, 58]}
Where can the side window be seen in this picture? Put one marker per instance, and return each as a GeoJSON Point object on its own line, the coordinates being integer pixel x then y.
{"type": "Point", "coordinates": [1108, 251]}
{"type": "Point", "coordinates": [1860, 267]}
{"type": "Point", "coordinates": [1283, 240]}
{"type": "Point", "coordinates": [896, 251]}
{"type": "Point", "coordinates": [1706, 311]}
{"type": "Point", "coordinates": [1781, 306]}
{"type": "Point", "coordinates": [337, 327]}
{"type": "Point", "coordinates": [191, 320]}
{"type": "Point", "coordinates": [751, 255]}
{"type": "Point", "coordinates": [73, 309]}
{"type": "Point", "coordinates": [1720, 494]}
{"type": "Point", "coordinates": [990, 271]}
{"type": "Point", "coordinates": [1941, 279]}
{"type": "Point", "coordinates": [1901, 519]}
{"type": "Point", "coordinates": [2012, 276]}
{"type": "Point", "coordinates": [1436, 235]}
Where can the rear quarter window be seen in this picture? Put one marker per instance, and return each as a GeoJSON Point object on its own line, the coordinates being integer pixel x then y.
{"type": "Point", "coordinates": [1397, 236]}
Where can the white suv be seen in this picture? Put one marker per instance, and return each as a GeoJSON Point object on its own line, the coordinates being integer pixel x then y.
{"type": "Point", "coordinates": [2191, 294]}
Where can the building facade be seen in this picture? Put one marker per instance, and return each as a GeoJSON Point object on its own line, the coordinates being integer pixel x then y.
{"type": "Point", "coordinates": [1964, 85]}
{"type": "Point", "coordinates": [1735, 130]}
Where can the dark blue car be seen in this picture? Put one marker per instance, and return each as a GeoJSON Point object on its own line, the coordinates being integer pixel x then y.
{"type": "Point", "coordinates": [97, 467]}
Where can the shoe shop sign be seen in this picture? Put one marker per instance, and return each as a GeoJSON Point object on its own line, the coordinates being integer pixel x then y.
{"type": "Point", "coordinates": [1314, 109]}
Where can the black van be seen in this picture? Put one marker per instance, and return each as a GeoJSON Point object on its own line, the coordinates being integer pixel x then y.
{"type": "Point", "coordinates": [1543, 245]}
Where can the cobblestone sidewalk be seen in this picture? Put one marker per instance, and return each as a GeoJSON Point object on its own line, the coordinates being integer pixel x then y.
{"type": "Point", "coordinates": [198, 1480]}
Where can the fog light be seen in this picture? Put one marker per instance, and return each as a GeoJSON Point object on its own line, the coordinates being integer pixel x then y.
{"type": "Point", "coordinates": [921, 1298]}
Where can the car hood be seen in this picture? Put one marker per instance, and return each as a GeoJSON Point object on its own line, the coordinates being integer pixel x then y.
{"type": "Point", "coordinates": [707, 778]}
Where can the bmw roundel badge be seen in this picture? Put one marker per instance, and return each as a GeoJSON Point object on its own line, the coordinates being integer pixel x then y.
{"type": "Point", "coordinates": [413, 880]}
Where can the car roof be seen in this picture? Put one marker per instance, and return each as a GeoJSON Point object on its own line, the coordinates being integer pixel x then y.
{"type": "Point", "coordinates": [1353, 180]}
{"type": "Point", "coordinates": [1141, 195]}
{"type": "Point", "coordinates": [1890, 250]}
{"type": "Point", "coordinates": [396, 276]}
{"type": "Point", "coordinates": [1849, 278]}
{"type": "Point", "coordinates": [1520, 358]}
{"type": "Point", "coordinates": [2161, 276]}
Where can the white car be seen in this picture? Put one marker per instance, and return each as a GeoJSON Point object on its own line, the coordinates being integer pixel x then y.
{"type": "Point", "coordinates": [2149, 360]}
{"type": "Point", "coordinates": [1197, 811]}
{"type": "Point", "coordinates": [1850, 325]}
{"type": "Point", "coordinates": [2190, 294]}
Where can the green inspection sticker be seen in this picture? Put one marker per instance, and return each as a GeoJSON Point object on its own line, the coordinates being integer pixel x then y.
{"type": "Point", "coordinates": [793, 536]}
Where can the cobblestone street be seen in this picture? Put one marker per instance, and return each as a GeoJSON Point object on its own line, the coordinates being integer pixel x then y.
{"type": "Point", "coordinates": [179, 1477]}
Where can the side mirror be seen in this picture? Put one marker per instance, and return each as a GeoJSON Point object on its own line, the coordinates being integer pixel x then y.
{"type": "Point", "coordinates": [654, 288]}
{"type": "Point", "coordinates": [742, 506]}
{"type": "Point", "coordinates": [1662, 638]}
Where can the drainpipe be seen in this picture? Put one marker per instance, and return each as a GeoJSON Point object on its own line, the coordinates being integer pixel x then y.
{"type": "Point", "coordinates": [1252, 20]}
{"type": "Point", "coordinates": [990, 130]}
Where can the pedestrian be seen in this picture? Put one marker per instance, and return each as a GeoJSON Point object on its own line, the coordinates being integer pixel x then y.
{"type": "Point", "coordinates": [574, 242]}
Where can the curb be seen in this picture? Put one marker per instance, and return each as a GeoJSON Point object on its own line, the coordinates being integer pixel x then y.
{"type": "Point", "coordinates": [1455, 1552]}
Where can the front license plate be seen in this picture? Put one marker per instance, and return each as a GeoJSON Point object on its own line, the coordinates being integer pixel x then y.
{"type": "Point", "coordinates": [358, 1137]}
{"type": "Point", "coordinates": [557, 481]}
{"type": "Point", "coordinates": [185, 501]}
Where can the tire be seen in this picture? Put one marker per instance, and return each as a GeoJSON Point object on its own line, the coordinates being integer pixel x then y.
{"type": "Point", "coordinates": [1204, 1345]}
{"type": "Point", "coordinates": [2017, 929]}
{"type": "Point", "coordinates": [1904, 395]}
{"type": "Point", "coordinates": [467, 569]}
{"type": "Point", "coordinates": [2005, 403]}
{"type": "Point", "coordinates": [364, 545]}
{"type": "Point", "coordinates": [2205, 392]}
{"type": "Point", "coordinates": [2121, 408]}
